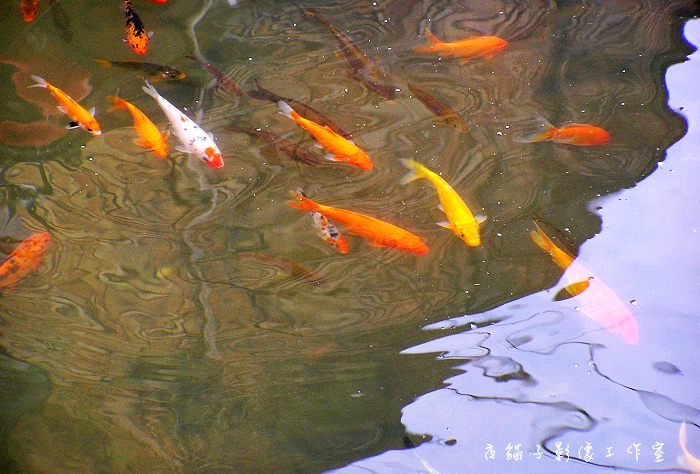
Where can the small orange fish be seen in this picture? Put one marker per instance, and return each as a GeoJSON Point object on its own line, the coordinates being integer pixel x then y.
{"type": "Point", "coordinates": [149, 136]}
{"type": "Point", "coordinates": [339, 148]}
{"type": "Point", "coordinates": [466, 49]}
{"type": "Point", "coordinates": [136, 34]}
{"type": "Point", "coordinates": [379, 233]}
{"type": "Point", "coordinates": [572, 134]}
{"type": "Point", "coordinates": [29, 9]}
{"type": "Point", "coordinates": [23, 259]}
{"type": "Point", "coordinates": [79, 116]}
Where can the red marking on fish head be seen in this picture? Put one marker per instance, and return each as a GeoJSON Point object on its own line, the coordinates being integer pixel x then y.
{"type": "Point", "coordinates": [29, 10]}
{"type": "Point", "coordinates": [214, 159]}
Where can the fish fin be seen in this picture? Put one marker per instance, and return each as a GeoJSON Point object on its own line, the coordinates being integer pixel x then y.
{"type": "Point", "coordinates": [303, 203]}
{"type": "Point", "coordinates": [71, 125]}
{"type": "Point", "coordinates": [432, 43]}
{"type": "Point", "coordinates": [480, 218]}
{"type": "Point", "coordinates": [318, 145]}
{"type": "Point", "coordinates": [140, 142]}
{"type": "Point", "coordinates": [92, 111]}
{"type": "Point", "coordinates": [150, 90]}
{"type": "Point", "coordinates": [439, 206]}
{"type": "Point", "coordinates": [444, 224]}
{"type": "Point", "coordinates": [150, 34]}
{"type": "Point", "coordinates": [40, 82]}
{"type": "Point", "coordinates": [332, 157]}
{"type": "Point", "coordinates": [414, 172]}
{"type": "Point", "coordinates": [61, 108]}
{"type": "Point", "coordinates": [125, 40]}
{"type": "Point", "coordinates": [183, 149]}
{"type": "Point", "coordinates": [103, 62]}
{"type": "Point", "coordinates": [285, 109]}
{"type": "Point", "coordinates": [544, 131]}
{"type": "Point", "coordinates": [376, 244]}
{"type": "Point", "coordinates": [118, 103]}
{"type": "Point", "coordinates": [165, 135]}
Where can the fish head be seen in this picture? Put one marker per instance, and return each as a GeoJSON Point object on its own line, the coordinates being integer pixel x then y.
{"type": "Point", "coordinates": [29, 10]}
{"type": "Point", "coordinates": [171, 74]}
{"type": "Point", "coordinates": [213, 158]}
{"type": "Point", "coordinates": [471, 238]}
{"type": "Point", "coordinates": [92, 127]}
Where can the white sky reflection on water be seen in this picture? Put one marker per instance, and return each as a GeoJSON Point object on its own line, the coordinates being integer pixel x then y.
{"type": "Point", "coordinates": [660, 213]}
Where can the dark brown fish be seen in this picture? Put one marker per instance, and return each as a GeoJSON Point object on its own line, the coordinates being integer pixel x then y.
{"type": "Point", "coordinates": [364, 68]}
{"type": "Point", "coordinates": [61, 20]}
{"type": "Point", "coordinates": [302, 109]}
{"type": "Point", "coordinates": [290, 148]}
{"type": "Point", "coordinates": [442, 110]}
{"type": "Point", "coordinates": [296, 271]}
{"type": "Point", "coordinates": [151, 71]}
{"type": "Point", "coordinates": [221, 78]}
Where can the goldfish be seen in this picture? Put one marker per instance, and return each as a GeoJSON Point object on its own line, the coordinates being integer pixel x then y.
{"type": "Point", "coordinates": [151, 71]}
{"type": "Point", "coordinates": [339, 148]}
{"type": "Point", "coordinates": [364, 68]}
{"type": "Point", "coordinates": [29, 9]}
{"type": "Point", "coordinates": [596, 300]}
{"type": "Point", "coordinates": [466, 49]}
{"type": "Point", "coordinates": [303, 110]}
{"type": "Point", "coordinates": [688, 461]}
{"type": "Point", "coordinates": [223, 79]}
{"type": "Point", "coordinates": [149, 136]}
{"type": "Point", "coordinates": [379, 233]}
{"type": "Point", "coordinates": [136, 34]}
{"type": "Point", "coordinates": [571, 134]}
{"type": "Point", "coordinates": [79, 116]}
{"type": "Point", "coordinates": [460, 219]}
{"type": "Point", "coordinates": [439, 108]}
{"type": "Point", "coordinates": [293, 150]}
{"type": "Point", "coordinates": [23, 259]}
{"type": "Point", "coordinates": [194, 140]}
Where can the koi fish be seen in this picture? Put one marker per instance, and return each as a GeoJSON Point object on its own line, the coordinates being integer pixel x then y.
{"type": "Point", "coordinates": [302, 109]}
{"type": "Point", "coordinates": [149, 136]}
{"type": "Point", "coordinates": [136, 34]}
{"type": "Point", "coordinates": [296, 271]}
{"type": "Point", "coordinates": [439, 108]}
{"type": "Point", "coordinates": [293, 150]}
{"type": "Point", "coordinates": [688, 461]}
{"type": "Point", "coordinates": [223, 79]}
{"type": "Point", "coordinates": [193, 139]}
{"type": "Point", "coordinates": [571, 134]}
{"type": "Point", "coordinates": [78, 115]}
{"type": "Point", "coordinates": [364, 68]}
{"type": "Point", "coordinates": [151, 71]}
{"type": "Point", "coordinates": [61, 20]}
{"type": "Point", "coordinates": [379, 233]}
{"type": "Point", "coordinates": [339, 148]}
{"type": "Point", "coordinates": [596, 300]}
{"type": "Point", "coordinates": [29, 9]}
{"type": "Point", "coordinates": [461, 221]}
{"type": "Point", "coordinates": [23, 259]}
{"type": "Point", "coordinates": [466, 49]}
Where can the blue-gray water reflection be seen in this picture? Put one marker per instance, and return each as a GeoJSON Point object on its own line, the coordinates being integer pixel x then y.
{"type": "Point", "coordinates": [170, 345]}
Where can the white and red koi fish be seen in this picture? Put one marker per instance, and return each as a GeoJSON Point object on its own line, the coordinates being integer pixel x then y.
{"type": "Point", "coordinates": [194, 140]}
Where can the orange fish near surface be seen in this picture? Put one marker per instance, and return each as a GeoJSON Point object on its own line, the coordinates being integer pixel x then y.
{"type": "Point", "coordinates": [149, 136]}
{"type": "Point", "coordinates": [136, 34]}
{"type": "Point", "coordinates": [79, 116]}
{"type": "Point", "coordinates": [573, 134]}
{"type": "Point", "coordinates": [466, 49]}
{"type": "Point", "coordinates": [23, 259]}
{"type": "Point", "coordinates": [596, 300]}
{"type": "Point", "coordinates": [339, 148]}
{"type": "Point", "coordinates": [29, 9]}
{"type": "Point", "coordinates": [379, 233]}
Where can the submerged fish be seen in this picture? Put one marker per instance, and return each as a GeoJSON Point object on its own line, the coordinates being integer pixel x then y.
{"type": "Point", "coordinates": [571, 134]}
{"type": "Point", "coordinates": [221, 78]}
{"type": "Point", "coordinates": [296, 271]}
{"type": "Point", "coordinates": [61, 20]}
{"type": "Point", "coordinates": [339, 148]}
{"type": "Point", "coordinates": [327, 231]}
{"type": "Point", "coordinates": [149, 136]}
{"type": "Point", "coordinates": [23, 259]}
{"type": "Point", "coordinates": [379, 233]}
{"type": "Point", "coordinates": [293, 150]}
{"type": "Point", "coordinates": [29, 9]}
{"type": "Point", "coordinates": [466, 49]}
{"type": "Point", "coordinates": [596, 300]}
{"type": "Point", "coordinates": [136, 34]}
{"type": "Point", "coordinates": [460, 219]}
{"type": "Point", "coordinates": [194, 140]}
{"type": "Point", "coordinates": [302, 109]}
{"type": "Point", "coordinates": [688, 461]}
{"type": "Point", "coordinates": [151, 71]}
{"type": "Point", "coordinates": [439, 108]}
{"type": "Point", "coordinates": [79, 116]}
{"type": "Point", "coordinates": [364, 68]}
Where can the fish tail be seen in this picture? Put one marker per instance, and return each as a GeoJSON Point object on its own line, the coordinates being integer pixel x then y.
{"type": "Point", "coordinates": [544, 131]}
{"type": "Point", "coordinates": [285, 109]}
{"type": "Point", "coordinates": [40, 82]}
{"type": "Point", "coordinates": [103, 62]}
{"type": "Point", "coordinates": [118, 103]}
{"type": "Point", "coordinates": [433, 43]}
{"type": "Point", "coordinates": [303, 203]}
{"type": "Point", "coordinates": [415, 172]}
{"type": "Point", "coordinates": [150, 90]}
{"type": "Point", "coordinates": [540, 238]}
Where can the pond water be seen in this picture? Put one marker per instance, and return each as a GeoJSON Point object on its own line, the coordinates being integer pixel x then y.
{"type": "Point", "coordinates": [164, 330]}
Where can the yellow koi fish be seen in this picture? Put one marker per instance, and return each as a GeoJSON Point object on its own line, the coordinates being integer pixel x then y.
{"type": "Point", "coordinates": [461, 220]}
{"type": "Point", "coordinates": [596, 299]}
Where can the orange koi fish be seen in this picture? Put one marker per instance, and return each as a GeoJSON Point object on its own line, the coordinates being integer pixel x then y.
{"type": "Point", "coordinates": [223, 79]}
{"type": "Point", "coordinates": [29, 9]}
{"type": "Point", "coordinates": [149, 136]}
{"type": "Point", "coordinates": [444, 112]}
{"type": "Point", "coordinates": [466, 49]}
{"type": "Point", "coordinates": [79, 116]}
{"type": "Point", "coordinates": [597, 300]}
{"type": "Point", "coordinates": [571, 134]}
{"type": "Point", "coordinates": [339, 148]}
{"type": "Point", "coordinates": [688, 461]}
{"type": "Point", "coordinates": [379, 233]}
{"type": "Point", "coordinates": [23, 259]}
{"type": "Point", "coordinates": [136, 34]}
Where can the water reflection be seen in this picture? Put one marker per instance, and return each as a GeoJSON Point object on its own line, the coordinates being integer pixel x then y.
{"type": "Point", "coordinates": [168, 347]}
